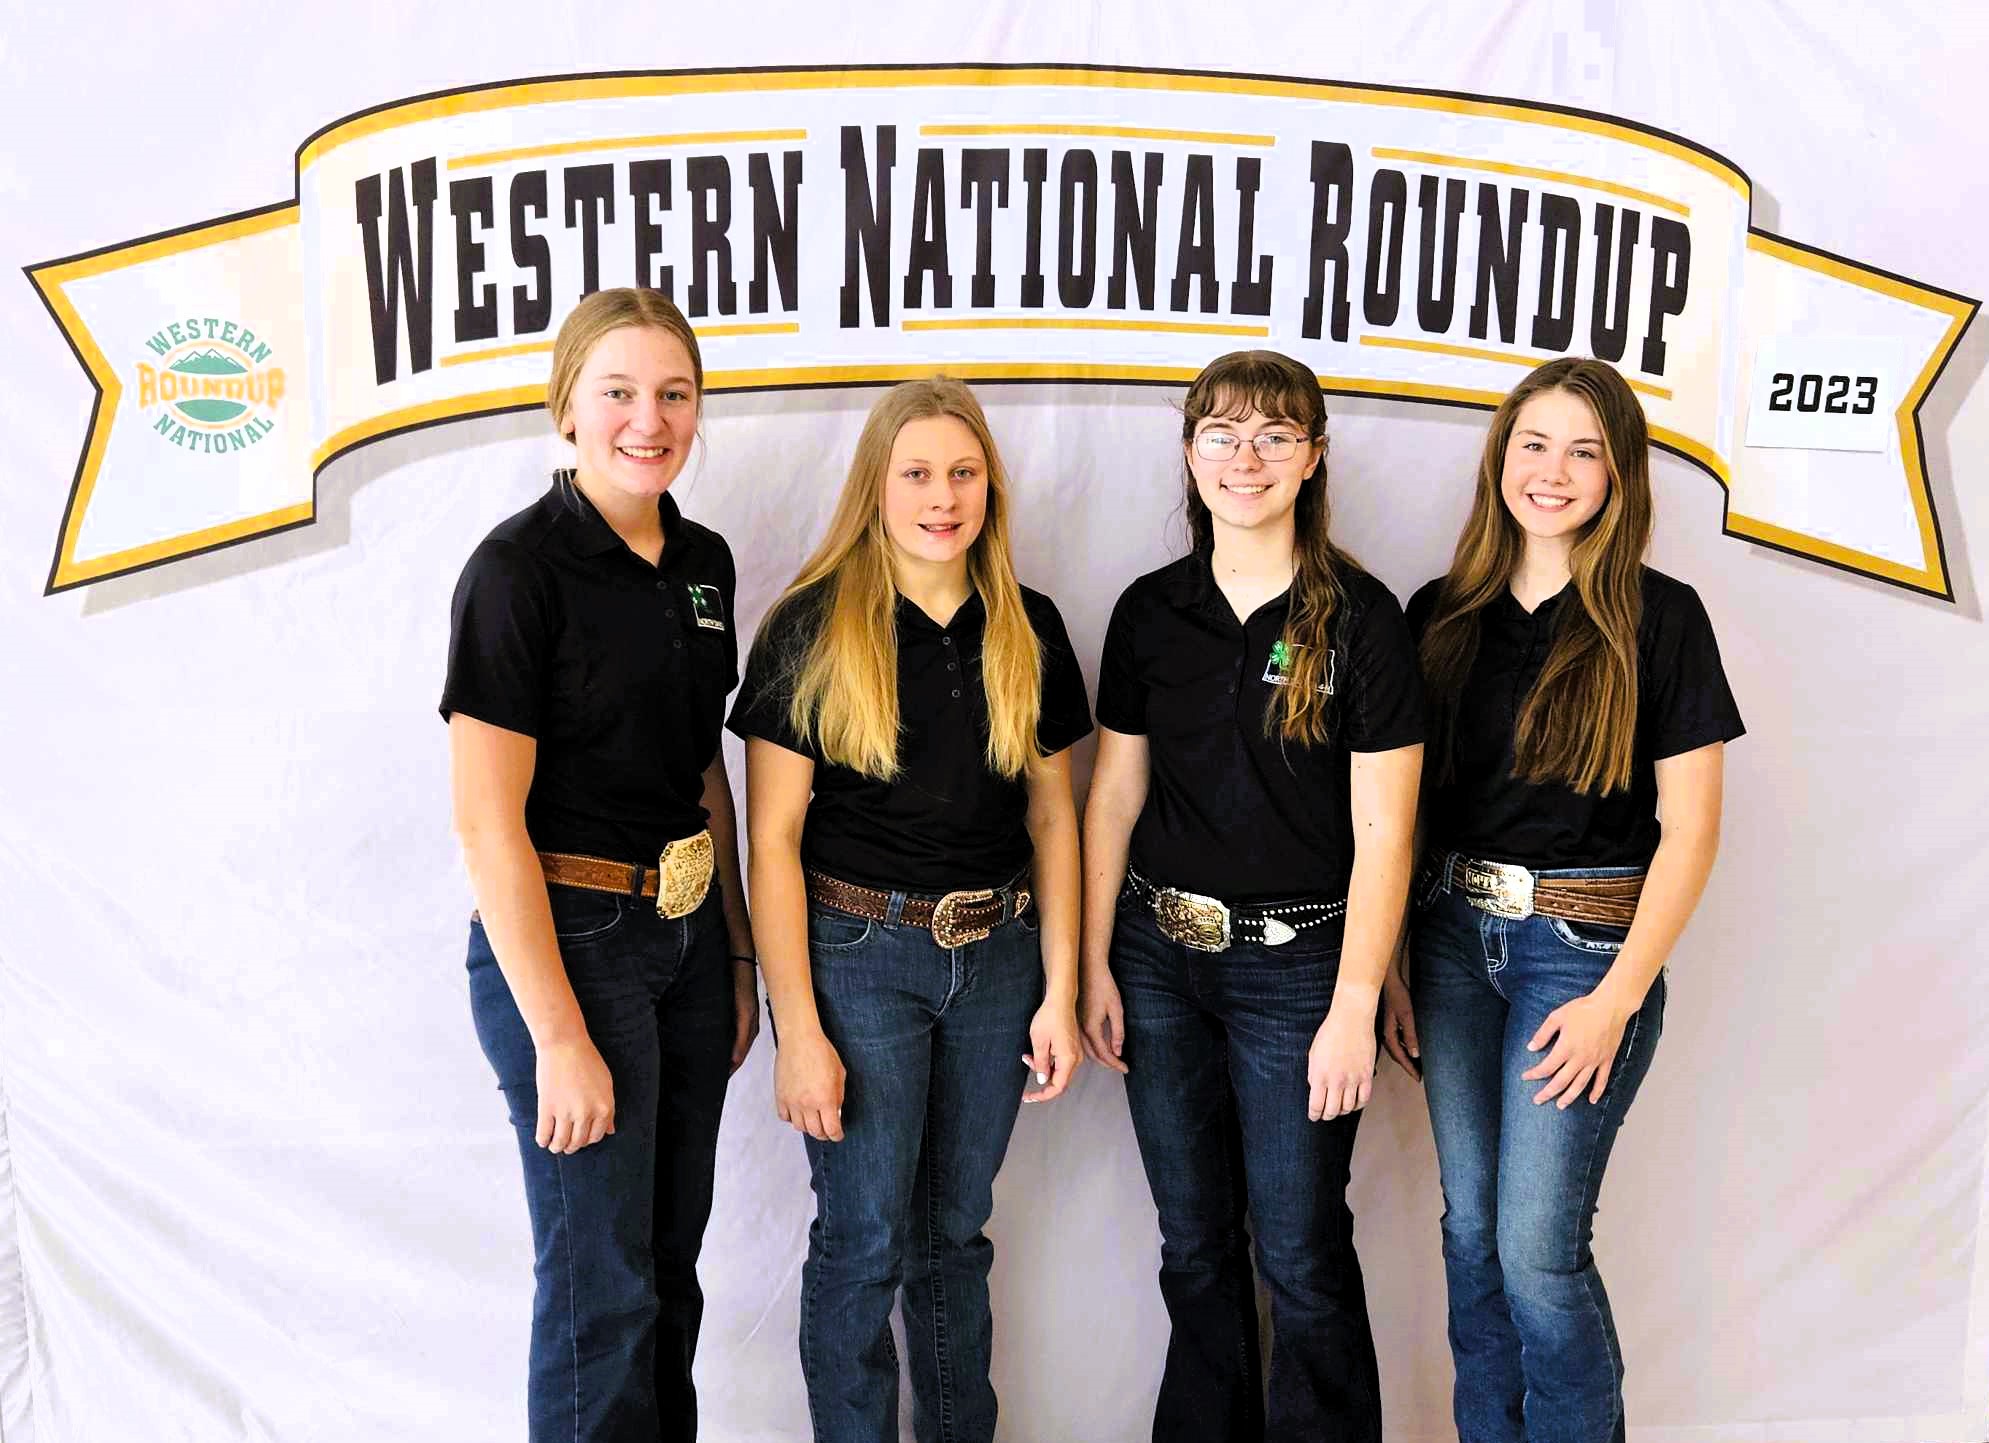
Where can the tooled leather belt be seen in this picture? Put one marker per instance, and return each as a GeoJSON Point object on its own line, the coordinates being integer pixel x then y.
{"type": "Point", "coordinates": [1507, 890]}
{"type": "Point", "coordinates": [954, 919]}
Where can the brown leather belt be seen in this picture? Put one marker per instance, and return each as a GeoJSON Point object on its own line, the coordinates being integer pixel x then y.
{"type": "Point", "coordinates": [954, 920]}
{"type": "Point", "coordinates": [678, 881]}
{"type": "Point", "coordinates": [1507, 890]}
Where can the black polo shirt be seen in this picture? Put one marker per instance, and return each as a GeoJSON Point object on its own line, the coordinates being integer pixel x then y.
{"type": "Point", "coordinates": [1232, 812]}
{"type": "Point", "coordinates": [618, 669]}
{"type": "Point", "coordinates": [1683, 703]}
{"type": "Point", "coordinates": [947, 822]}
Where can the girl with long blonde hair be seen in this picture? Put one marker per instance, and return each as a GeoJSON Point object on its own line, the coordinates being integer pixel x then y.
{"type": "Point", "coordinates": [1576, 695]}
{"type": "Point", "coordinates": [1247, 850]}
{"type": "Point", "coordinates": [908, 712]}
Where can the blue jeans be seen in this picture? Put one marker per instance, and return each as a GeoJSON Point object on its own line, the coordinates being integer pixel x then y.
{"type": "Point", "coordinates": [932, 1040]}
{"type": "Point", "coordinates": [1535, 1348]}
{"type": "Point", "coordinates": [1217, 1046]}
{"type": "Point", "coordinates": [616, 1227]}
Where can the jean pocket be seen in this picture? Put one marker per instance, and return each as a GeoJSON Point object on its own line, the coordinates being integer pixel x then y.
{"type": "Point", "coordinates": [1589, 936]}
{"type": "Point", "coordinates": [836, 931]}
{"type": "Point", "coordinates": [583, 916]}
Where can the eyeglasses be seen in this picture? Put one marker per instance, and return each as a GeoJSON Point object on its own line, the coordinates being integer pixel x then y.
{"type": "Point", "coordinates": [1270, 446]}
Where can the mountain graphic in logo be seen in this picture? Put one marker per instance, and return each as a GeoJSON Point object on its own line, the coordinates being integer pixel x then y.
{"type": "Point", "coordinates": [209, 410]}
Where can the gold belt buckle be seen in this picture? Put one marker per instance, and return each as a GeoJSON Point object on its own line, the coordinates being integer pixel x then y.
{"type": "Point", "coordinates": [1192, 919]}
{"type": "Point", "coordinates": [1501, 888]}
{"type": "Point", "coordinates": [947, 929]}
{"type": "Point", "coordinates": [685, 869]}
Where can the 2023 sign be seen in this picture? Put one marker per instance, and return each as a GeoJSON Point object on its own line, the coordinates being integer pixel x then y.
{"type": "Point", "coordinates": [1810, 394]}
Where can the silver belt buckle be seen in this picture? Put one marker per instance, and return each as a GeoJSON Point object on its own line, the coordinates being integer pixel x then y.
{"type": "Point", "coordinates": [1501, 888]}
{"type": "Point", "coordinates": [1192, 919]}
{"type": "Point", "coordinates": [947, 929]}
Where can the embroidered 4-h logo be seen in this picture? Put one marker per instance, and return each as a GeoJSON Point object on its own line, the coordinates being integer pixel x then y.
{"type": "Point", "coordinates": [1284, 658]}
{"type": "Point", "coordinates": [707, 606]}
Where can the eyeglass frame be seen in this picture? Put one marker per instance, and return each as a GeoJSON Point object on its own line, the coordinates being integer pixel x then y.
{"type": "Point", "coordinates": [1253, 442]}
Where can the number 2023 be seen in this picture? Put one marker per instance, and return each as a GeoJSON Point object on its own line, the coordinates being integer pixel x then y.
{"type": "Point", "coordinates": [1809, 394]}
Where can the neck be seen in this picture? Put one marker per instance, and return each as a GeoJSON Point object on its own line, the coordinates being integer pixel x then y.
{"type": "Point", "coordinates": [636, 519]}
{"type": "Point", "coordinates": [1257, 554]}
{"type": "Point", "coordinates": [1543, 570]}
{"type": "Point", "coordinates": [938, 588]}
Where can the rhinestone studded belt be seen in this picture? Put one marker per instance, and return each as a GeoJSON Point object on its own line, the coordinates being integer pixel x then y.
{"type": "Point", "coordinates": [1208, 925]}
{"type": "Point", "coordinates": [954, 919]}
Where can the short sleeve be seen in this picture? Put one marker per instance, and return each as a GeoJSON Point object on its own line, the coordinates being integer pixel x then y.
{"type": "Point", "coordinates": [728, 586]}
{"type": "Point", "coordinates": [1122, 688]}
{"type": "Point", "coordinates": [1689, 702]}
{"type": "Point", "coordinates": [1386, 708]}
{"type": "Point", "coordinates": [1065, 718]}
{"type": "Point", "coordinates": [501, 625]}
{"type": "Point", "coordinates": [761, 707]}
{"type": "Point", "coordinates": [1422, 606]}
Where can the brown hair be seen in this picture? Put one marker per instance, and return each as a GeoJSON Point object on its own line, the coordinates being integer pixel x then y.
{"type": "Point", "coordinates": [1578, 724]}
{"type": "Point", "coordinates": [1282, 389]}
{"type": "Point", "coordinates": [606, 311]}
{"type": "Point", "coordinates": [844, 684]}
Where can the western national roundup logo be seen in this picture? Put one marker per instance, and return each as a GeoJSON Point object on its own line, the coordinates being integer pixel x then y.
{"type": "Point", "coordinates": [856, 226]}
{"type": "Point", "coordinates": [214, 390]}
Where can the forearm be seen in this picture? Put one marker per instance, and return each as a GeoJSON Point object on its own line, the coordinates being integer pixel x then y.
{"type": "Point", "coordinates": [1377, 896]}
{"type": "Point", "coordinates": [724, 824]}
{"type": "Point", "coordinates": [780, 928]}
{"type": "Point", "coordinates": [1107, 841]}
{"type": "Point", "coordinates": [1057, 882]}
{"type": "Point", "coordinates": [510, 892]}
{"type": "Point", "coordinates": [1672, 887]}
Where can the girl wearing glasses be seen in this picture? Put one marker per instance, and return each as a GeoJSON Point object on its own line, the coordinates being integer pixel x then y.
{"type": "Point", "coordinates": [1247, 852]}
{"type": "Point", "coordinates": [1575, 694]}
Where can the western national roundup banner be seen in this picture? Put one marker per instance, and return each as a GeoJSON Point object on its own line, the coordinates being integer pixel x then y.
{"type": "Point", "coordinates": [844, 227]}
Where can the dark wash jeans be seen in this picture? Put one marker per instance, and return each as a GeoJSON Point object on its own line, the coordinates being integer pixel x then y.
{"type": "Point", "coordinates": [1530, 1328]}
{"type": "Point", "coordinates": [932, 1041]}
{"type": "Point", "coordinates": [616, 1227]}
{"type": "Point", "coordinates": [1217, 1045]}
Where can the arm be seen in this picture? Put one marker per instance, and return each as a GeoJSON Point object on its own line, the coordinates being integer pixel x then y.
{"type": "Point", "coordinates": [1398, 1014]}
{"type": "Point", "coordinates": [1588, 1031]}
{"type": "Point", "coordinates": [1055, 1051]}
{"type": "Point", "coordinates": [1117, 796]}
{"type": "Point", "coordinates": [1382, 795]}
{"type": "Point", "coordinates": [717, 802]}
{"type": "Point", "coordinates": [490, 771]}
{"type": "Point", "coordinates": [808, 1075]}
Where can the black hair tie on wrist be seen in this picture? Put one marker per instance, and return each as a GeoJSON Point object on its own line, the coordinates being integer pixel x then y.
{"type": "Point", "coordinates": [742, 957]}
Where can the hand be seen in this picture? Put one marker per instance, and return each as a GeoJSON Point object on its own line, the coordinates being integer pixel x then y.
{"type": "Point", "coordinates": [576, 1096]}
{"type": "Point", "coordinates": [1339, 1068]}
{"type": "Point", "coordinates": [1586, 1032]}
{"type": "Point", "coordinates": [808, 1086]}
{"type": "Point", "coordinates": [1104, 1019]}
{"type": "Point", "coordinates": [1398, 1023]}
{"type": "Point", "coordinates": [745, 1010]}
{"type": "Point", "coordinates": [1054, 1051]}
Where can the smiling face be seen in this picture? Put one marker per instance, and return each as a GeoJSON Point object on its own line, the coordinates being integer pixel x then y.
{"type": "Point", "coordinates": [1555, 478]}
{"type": "Point", "coordinates": [935, 491]}
{"type": "Point", "coordinates": [1240, 488]}
{"type": "Point", "coordinates": [633, 412]}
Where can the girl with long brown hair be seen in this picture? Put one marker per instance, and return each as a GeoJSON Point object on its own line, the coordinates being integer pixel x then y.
{"type": "Point", "coordinates": [610, 959]}
{"type": "Point", "coordinates": [909, 709]}
{"type": "Point", "coordinates": [1247, 848]}
{"type": "Point", "coordinates": [1576, 695]}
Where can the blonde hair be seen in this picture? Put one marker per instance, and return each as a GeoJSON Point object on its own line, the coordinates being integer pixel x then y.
{"type": "Point", "coordinates": [844, 682]}
{"type": "Point", "coordinates": [1578, 725]}
{"type": "Point", "coordinates": [593, 318]}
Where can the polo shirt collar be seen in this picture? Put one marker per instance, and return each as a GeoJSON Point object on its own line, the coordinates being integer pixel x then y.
{"type": "Point", "coordinates": [971, 613]}
{"type": "Point", "coordinates": [592, 535]}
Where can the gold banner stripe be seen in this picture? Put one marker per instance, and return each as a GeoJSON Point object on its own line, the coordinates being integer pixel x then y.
{"type": "Point", "coordinates": [617, 87]}
{"type": "Point", "coordinates": [1479, 353]}
{"type": "Point", "coordinates": [704, 333]}
{"type": "Point", "coordinates": [73, 573]}
{"type": "Point", "coordinates": [625, 142]}
{"type": "Point", "coordinates": [1531, 172]}
{"type": "Point", "coordinates": [1126, 132]}
{"type": "Point", "coordinates": [1081, 323]}
{"type": "Point", "coordinates": [1920, 578]}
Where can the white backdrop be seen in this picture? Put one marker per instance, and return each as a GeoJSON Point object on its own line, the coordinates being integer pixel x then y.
{"type": "Point", "coordinates": [261, 1184]}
